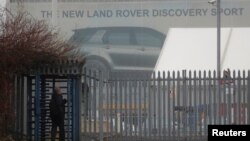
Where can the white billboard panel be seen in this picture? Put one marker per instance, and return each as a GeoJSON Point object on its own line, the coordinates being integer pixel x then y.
{"type": "Point", "coordinates": [193, 49]}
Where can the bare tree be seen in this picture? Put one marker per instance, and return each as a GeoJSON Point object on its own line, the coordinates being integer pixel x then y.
{"type": "Point", "coordinates": [25, 44]}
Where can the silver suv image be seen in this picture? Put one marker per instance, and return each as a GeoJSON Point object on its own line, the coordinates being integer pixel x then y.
{"type": "Point", "coordinates": [119, 48]}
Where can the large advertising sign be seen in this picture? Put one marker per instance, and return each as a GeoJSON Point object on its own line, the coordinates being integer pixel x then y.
{"type": "Point", "coordinates": [137, 30]}
{"type": "Point", "coordinates": [156, 14]}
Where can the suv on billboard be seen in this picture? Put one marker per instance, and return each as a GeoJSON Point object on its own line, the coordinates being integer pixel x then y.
{"type": "Point", "coordinates": [119, 48]}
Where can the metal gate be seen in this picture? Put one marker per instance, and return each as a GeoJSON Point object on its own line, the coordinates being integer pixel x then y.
{"type": "Point", "coordinates": [39, 94]}
{"type": "Point", "coordinates": [65, 74]}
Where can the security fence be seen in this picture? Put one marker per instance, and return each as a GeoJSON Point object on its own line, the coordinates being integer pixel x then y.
{"type": "Point", "coordinates": [165, 106]}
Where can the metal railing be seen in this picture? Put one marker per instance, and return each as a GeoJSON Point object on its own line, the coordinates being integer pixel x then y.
{"type": "Point", "coordinates": [166, 106]}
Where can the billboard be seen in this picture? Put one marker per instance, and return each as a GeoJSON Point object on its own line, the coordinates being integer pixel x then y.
{"type": "Point", "coordinates": [138, 27]}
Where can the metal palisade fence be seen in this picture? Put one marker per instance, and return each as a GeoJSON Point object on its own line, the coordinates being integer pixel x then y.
{"type": "Point", "coordinates": [165, 106]}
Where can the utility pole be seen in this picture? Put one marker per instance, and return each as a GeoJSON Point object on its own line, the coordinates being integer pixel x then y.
{"type": "Point", "coordinates": [218, 7]}
{"type": "Point", "coordinates": [218, 37]}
